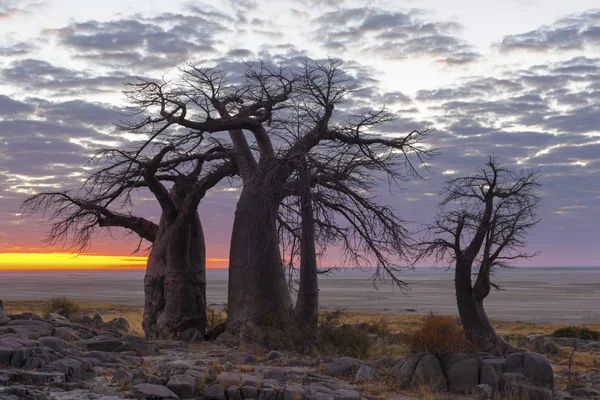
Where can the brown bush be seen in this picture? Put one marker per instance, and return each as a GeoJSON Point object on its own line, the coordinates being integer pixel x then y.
{"type": "Point", "coordinates": [69, 307]}
{"type": "Point", "coordinates": [439, 334]}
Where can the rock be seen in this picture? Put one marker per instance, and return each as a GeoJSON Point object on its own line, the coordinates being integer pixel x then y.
{"type": "Point", "coordinates": [403, 370]}
{"type": "Point", "coordinates": [535, 367]}
{"type": "Point", "coordinates": [182, 385]}
{"type": "Point", "coordinates": [121, 376]}
{"type": "Point", "coordinates": [74, 368]}
{"type": "Point", "coordinates": [274, 355]}
{"type": "Point", "coordinates": [294, 391]}
{"type": "Point", "coordinates": [227, 339]}
{"type": "Point", "coordinates": [529, 391]}
{"type": "Point", "coordinates": [277, 374]}
{"type": "Point", "coordinates": [30, 329]}
{"type": "Point", "coordinates": [119, 324]}
{"type": "Point", "coordinates": [139, 346]}
{"type": "Point", "coordinates": [383, 363]}
{"type": "Point", "coordinates": [214, 392]}
{"type": "Point", "coordinates": [482, 392]}
{"type": "Point", "coordinates": [367, 374]}
{"type": "Point", "coordinates": [55, 343]}
{"type": "Point", "coordinates": [488, 376]}
{"type": "Point", "coordinates": [347, 394]}
{"type": "Point", "coordinates": [97, 320]}
{"type": "Point", "coordinates": [66, 334]}
{"type": "Point", "coordinates": [36, 378]}
{"type": "Point", "coordinates": [148, 391]}
{"type": "Point", "coordinates": [560, 395]}
{"type": "Point", "coordinates": [429, 373]}
{"type": "Point", "coordinates": [463, 375]}
{"type": "Point", "coordinates": [343, 367]}
{"type": "Point", "coordinates": [238, 358]}
{"type": "Point", "coordinates": [251, 380]}
{"type": "Point", "coordinates": [228, 378]}
{"type": "Point", "coordinates": [56, 318]}
{"type": "Point", "coordinates": [248, 392]}
{"type": "Point", "coordinates": [233, 393]}
{"type": "Point", "coordinates": [589, 392]}
{"type": "Point", "coordinates": [191, 335]}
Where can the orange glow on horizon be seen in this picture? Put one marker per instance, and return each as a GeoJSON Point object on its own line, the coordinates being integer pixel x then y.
{"type": "Point", "coordinates": [57, 261]}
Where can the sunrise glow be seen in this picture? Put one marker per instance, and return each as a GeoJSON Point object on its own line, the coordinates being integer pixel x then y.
{"type": "Point", "coordinates": [57, 261]}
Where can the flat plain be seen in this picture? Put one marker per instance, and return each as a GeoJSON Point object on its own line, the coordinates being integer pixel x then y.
{"type": "Point", "coordinates": [544, 295]}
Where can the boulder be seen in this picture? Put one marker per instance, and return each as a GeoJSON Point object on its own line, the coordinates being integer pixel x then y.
{"type": "Point", "coordinates": [119, 324]}
{"type": "Point", "coordinates": [214, 392]}
{"type": "Point", "coordinates": [149, 391]}
{"type": "Point", "coordinates": [182, 385]}
{"type": "Point", "coordinates": [228, 378]}
{"type": "Point", "coordinates": [463, 375]}
{"type": "Point", "coordinates": [343, 367]}
{"type": "Point", "coordinates": [238, 358]}
{"type": "Point", "coordinates": [367, 374]}
{"type": "Point", "coordinates": [403, 370]}
{"type": "Point", "coordinates": [74, 368]}
{"type": "Point", "coordinates": [26, 328]}
{"type": "Point", "coordinates": [55, 318]}
{"type": "Point", "coordinates": [191, 335]}
{"type": "Point", "coordinates": [488, 376]}
{"type": "Point", "coordinates": [535, 368]}
{"type": "Point", "coordinates": [347, 394]}
{"type": "Point", "coordinates": [135, 344]}
{"type": "Point", "coordinates": [429, 373]}
{"type": "Point", "coordinates": [274, 355]}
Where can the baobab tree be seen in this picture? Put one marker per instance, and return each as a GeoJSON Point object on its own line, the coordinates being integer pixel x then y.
{"type": "Point", "coordinates": [277, 119]}
{"type": "Point", "coordinates": [175, 279]}
{"type": "Point", "coordinates": [482, 224]}
{"type": "Point", "coordinates": [332, 202]}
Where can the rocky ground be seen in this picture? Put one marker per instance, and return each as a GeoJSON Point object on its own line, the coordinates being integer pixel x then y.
{"type": "Point", "coordinates": [54, 358]}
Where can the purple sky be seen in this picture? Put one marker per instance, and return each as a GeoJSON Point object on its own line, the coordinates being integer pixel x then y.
{"type": "Point", "coordinates": [516, 79]}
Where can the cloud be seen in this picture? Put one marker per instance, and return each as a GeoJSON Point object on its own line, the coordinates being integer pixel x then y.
{"type": "Point", "coordinates": [14, 8]}
{"type": "Point", "coordinates": [142, 44]}
{"type": "Point", "coordinates": [393, 35]}
{"type": "Point", "coordinates": [32, 74]}
{"type": "Point", "coordinates": [571, 33]}
{"type": "Point", "coordinates": [9, 106]}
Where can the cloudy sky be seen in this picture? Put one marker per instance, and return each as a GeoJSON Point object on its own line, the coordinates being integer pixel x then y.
{"type": "Point", "coordinates": [518, 79]}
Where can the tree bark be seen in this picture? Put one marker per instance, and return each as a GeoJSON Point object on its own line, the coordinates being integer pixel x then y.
{"type": "Point", "coordinates": [307, 304]}
{"type": "Point", "coordinates": [175, 281]}
{"type": "Point", "coordinates": [474, 320]}
{"type": "Point", "coordinates": [258, 295]}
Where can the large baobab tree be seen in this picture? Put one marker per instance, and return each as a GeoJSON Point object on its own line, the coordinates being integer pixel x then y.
{"type": "Point", "coordinates": [482, 224]}
{"type": "Point", "coordinates": [277, 120]}
{"type": "Point", "coordinates": [178, 175]}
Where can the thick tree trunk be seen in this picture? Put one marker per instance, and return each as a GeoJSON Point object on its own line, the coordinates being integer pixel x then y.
{"type": "Point", "coordinates": [175, 282]}
{"type": "Point", "coordinates": [473, 318]}
{"type": "Point", "coordinates": [259, 301]}
{"type": "Point", "coordinates": [307, 304]}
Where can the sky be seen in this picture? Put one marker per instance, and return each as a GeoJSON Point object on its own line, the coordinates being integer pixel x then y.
{"type": "Point", "coordinates": [517, 79]}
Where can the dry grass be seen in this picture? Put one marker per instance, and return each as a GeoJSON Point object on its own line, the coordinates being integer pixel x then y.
{"type": "Point", "coordinates": [131, 313]}
{"type": "Point", "coordinates": [384, 324]}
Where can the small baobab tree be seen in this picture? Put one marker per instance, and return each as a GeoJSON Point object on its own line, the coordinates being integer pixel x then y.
{"type": "Point", "coordinates": [178, 175]}
{"type": "Point", "coordinates": [482, 224]}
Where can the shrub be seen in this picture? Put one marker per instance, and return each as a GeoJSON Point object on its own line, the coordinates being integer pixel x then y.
{"type": "Point", "coordinates": [578, 332]}
{"type": "Point", "coordinates": [333, 337]}
{"type": "Point", "coordinates": [214, 318]}
{"type": "Point", "coordinates": [68, 306]}
{"type": "Point", "coordinates": [439, 334]}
